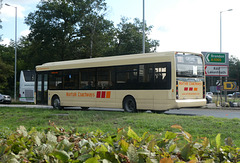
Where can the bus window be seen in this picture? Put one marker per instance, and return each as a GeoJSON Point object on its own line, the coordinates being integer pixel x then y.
{"type": "Point", "coordinates": [162, 76]}
{"type": "Point", "coordinates": [189, 66]}
{"type": "Point", "coordinates": [145, 76]}
{"type": "Point", "coordinates": [55, 80]}
{"type": "Point", "coordinates": [127, 77]}
{"type": "Point", "coordinates": [70, 79]}
{"type": "Point", "coordinates": [87, 79]}
{"type": "Point", "coordinates": [105, 78]}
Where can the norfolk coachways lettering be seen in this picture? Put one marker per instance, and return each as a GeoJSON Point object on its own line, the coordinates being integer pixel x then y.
{"type": "Point", "coordinates": [98, 94]}
{"type": "Point", "coordinates": [79, 94]}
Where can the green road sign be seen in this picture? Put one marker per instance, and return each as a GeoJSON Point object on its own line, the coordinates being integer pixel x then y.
{"type": "Point", "coordinates": [215, 58]}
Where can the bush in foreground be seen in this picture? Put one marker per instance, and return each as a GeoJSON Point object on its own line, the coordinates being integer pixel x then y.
{"type": "Point", "coordinates": [57, 145]}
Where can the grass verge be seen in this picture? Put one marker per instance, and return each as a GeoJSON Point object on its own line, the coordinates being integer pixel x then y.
{"type": "Point", "coordinates": [109, 121]}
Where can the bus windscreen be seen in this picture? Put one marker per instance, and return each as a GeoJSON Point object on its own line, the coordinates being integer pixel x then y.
{"type": "Point", "coordinates": [189, 65]}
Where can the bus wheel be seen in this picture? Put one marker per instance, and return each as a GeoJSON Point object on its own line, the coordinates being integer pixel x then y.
{"type": "Point", "coordinates": [84, 108]}
{"type": "Point", "coordinates": [129, 104]}
{"type": "Point", "coordinates": [56, 103]}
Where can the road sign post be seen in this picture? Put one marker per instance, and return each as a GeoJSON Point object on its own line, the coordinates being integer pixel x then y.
{"type": "Point", "coordinates": [215, 62]}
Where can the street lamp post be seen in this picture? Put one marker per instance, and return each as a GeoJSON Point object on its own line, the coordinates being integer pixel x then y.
{"type": "Point", "coordinates": [221, 28]}
{"type": "Point", "coordinates": [15, 46]}
{"type": "Point", "coordinates": [225, 92]}
{"type": "Point", "coordinates": [143, 41]}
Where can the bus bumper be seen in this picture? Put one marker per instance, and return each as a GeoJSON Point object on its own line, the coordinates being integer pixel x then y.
{"type": "Point", "coordinates": [190, 103]}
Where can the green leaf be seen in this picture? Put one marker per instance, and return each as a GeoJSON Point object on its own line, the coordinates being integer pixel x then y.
{"type": "Point", "coordinates": [36, 140]}
{"type": "Point", "coordinates": [172, 148]}
{"type": "Point", "coordinates": [205, 142]}
{"type": "Point", "coordinates": [61, 155]}
{"type": "Point", "coordinates": [84, 157]}
{"type": "Point", "coordinates": [83, 142]}
{"type": "Point", "coordinates": [186, 152]}
{"type": "Point", "coordinates": [101, 149]}
{"type": "Point", "coordinates": [218, 141]}
{"type": "Point", "coordinates": [52, 139]}
{"type": "Point", "coordinates": [124, 145]}
{"type": "Point", "coordinates": [170, 135]}
{"type": "Point", "coordinates": [132, 153]}
{"type": "Point", "coordinates": [2, 149]}
{"type": "Point", "coordinates": [93, 160]}
{"type": "Point", "coordinates": [109, 140]}
{"type": "Point", "coordinates": [151, 145]}
{"type": "Point", "coordinates": [229, 141]}
{"type": "Point", "coordinates": [22, 130]}
{"type": "Point", "coordinates": [132, 134]}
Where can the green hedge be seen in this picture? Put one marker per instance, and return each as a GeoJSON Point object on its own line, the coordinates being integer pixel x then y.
{"type": "Point", "coordinates": [57, 145]}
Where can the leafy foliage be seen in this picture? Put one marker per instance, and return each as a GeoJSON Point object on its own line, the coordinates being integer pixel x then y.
{"type": "Point", "coordinates": [56, 27]}
{"type": "Point", "coordinates": [57, 145]}
{"type": "Point", "coordinates": [129, 37]}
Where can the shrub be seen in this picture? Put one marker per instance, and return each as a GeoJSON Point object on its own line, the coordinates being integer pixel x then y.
{"type": "Point", "coordinates": [57, 145]}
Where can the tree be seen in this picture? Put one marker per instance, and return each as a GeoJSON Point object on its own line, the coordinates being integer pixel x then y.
{"type": "Point", "coordinates": [129, 38]}
{"type": "Point", "coordinates": [71, 29]}
{"type": "Point", "coordinates": [234, 69]}
{"type": "Point", "coordinates": [57, 28]}
{"type": "Point", "coordinates": [6, 69]}
{"type": "Point", "coordinates": [99, 34]}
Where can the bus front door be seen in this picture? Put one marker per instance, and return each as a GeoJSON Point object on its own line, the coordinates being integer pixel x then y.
{"type": "Point", "coordinates": [42, 89]}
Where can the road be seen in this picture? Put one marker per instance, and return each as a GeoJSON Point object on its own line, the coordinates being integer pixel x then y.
{"type": "Point", "coordinates": [206, 112]}
{"type": "Point", "coordinates": [209, 110]}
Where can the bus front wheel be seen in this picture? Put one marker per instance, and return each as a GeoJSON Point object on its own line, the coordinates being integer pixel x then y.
{"type": "Point", "coordinates": [129, 104]}
{"type": "Point", "coordinates": [56, 103]}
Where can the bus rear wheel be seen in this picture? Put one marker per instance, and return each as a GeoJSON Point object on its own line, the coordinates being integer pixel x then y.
{"type": "Point", "coordinates": [129, 104]}
{"type": "Point", "coordinates": [56, 103]}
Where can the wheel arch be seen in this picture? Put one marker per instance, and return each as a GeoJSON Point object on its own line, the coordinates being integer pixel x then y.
{"type": "Point", "coordinates": [131, 96]}
{"type": "Point", "coordinates": [53, 97]}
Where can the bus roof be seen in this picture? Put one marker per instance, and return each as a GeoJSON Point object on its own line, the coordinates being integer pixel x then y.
{"type": "Point", "coordinates": [109, 61]}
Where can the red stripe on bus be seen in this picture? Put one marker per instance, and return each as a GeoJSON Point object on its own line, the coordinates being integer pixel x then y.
{"type": "Point", "coordinates": [103, 94]}
{"type": "Point", "coordinates": [98, 94]}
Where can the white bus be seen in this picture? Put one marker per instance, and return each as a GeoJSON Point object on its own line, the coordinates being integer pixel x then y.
{"type": "Point", "coordinates": [26, 86]}
{"type": "Point", "coordinates": [152, 81]}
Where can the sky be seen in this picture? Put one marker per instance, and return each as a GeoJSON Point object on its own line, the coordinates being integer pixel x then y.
{"type": "Point", "coordinates": [179, 25]}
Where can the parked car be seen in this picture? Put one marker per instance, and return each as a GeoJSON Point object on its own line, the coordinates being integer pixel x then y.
{"type": "Point", "coordinates": [210, 94]}
{"type": "Point", "coordinates": [230, 95]}
{"type": "Point", "coordinates": [236, 94]}
{"type": "Point", "coordinates": [209, 99]}
{"type": "Point", "coordinates": [5, 99]}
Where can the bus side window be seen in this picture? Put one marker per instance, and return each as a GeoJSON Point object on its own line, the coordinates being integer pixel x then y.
{"type": "Point", "coordinates": [55, 79]}
{"type": "Point", "coordinates": [127, 77]}
{"type": "Point", "coordinates": [87, 79]}
{"type": "Point", "coordinates": [70, 79]}
{"type": "Point", "coordinates": [162, 75]}
{"type": "Point", "coordinates": [103, 78]}
{"type": "Point", "coordinates": [146, 76]}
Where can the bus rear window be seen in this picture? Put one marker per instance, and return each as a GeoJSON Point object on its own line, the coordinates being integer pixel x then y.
{"type": "Point", "coordinates": [189, 65]}
{"type": "Point", "coordinates": [29, 75]}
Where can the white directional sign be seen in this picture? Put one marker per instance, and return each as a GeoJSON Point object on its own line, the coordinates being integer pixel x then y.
{"type": "Point", "coordinates": [216, 70]}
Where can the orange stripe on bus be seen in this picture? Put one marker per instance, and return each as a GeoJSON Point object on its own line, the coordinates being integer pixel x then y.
{"type": "Point", "coordinates": [108, 94]}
